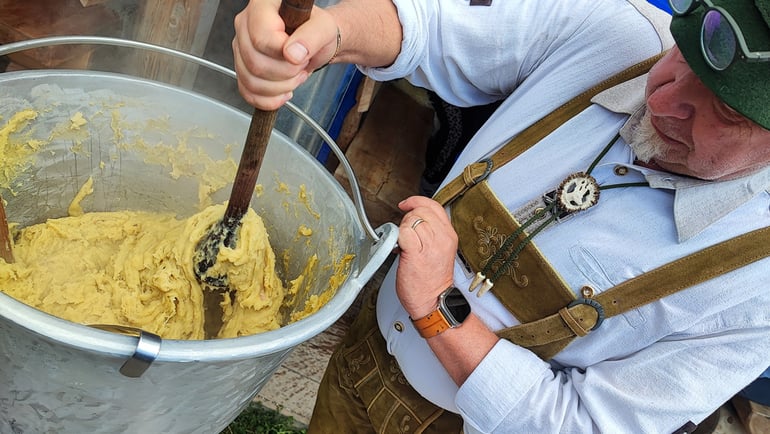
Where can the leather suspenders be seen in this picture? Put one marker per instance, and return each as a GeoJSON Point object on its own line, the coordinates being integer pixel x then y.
{"type": "Point", "coordinates": [549, 335]}
{"type": "Point", "coordinates": [477, 172]}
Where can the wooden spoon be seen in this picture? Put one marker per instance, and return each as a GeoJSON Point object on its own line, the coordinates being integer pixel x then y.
{"type": "Point", "coordinates": [5, 236]}
{"type": "Point", "coordinates": [225, 232]}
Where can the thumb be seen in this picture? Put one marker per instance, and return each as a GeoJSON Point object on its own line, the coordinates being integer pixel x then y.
{"type": "Point", "coordinates": [295, 52]}
{"type": "Point", "coordinates": [313, 42]}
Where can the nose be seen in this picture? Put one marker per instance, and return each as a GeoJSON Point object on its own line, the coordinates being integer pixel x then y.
{"type": "Point", "coordinates": [678, 97]}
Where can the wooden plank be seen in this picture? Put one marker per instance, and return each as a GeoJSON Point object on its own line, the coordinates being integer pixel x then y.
{"type": "Point", "coordinates": [20, 21]}
{"type": "Point", "coordinates": [755, 416]}
{"type": "Point", "coordinates": [87, 3]}
{"type": "Point", "coordinates": [183, 25]}
{"type": "Point", "coordinates": [388, 153]}
{"type": "Point", "coordinates": [6, 252]}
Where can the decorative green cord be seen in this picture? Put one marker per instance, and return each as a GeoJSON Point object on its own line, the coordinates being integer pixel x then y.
{"type": "Point", "coordinates": [538, 215]}
{"type": "Point", "coordinates": [512, 237]}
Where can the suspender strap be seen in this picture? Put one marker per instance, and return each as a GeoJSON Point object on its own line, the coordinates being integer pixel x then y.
{"type": "Point", "coordinates": [477, 172]}
{"type": "Point", "coordinates": [554, 332]}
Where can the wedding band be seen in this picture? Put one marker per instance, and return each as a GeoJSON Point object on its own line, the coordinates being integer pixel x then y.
{"type": "Point", "coordinates": [417, 222]}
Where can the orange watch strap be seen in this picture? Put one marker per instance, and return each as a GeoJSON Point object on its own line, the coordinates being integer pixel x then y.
{"type": "Point", "coordinates": [431, 324]}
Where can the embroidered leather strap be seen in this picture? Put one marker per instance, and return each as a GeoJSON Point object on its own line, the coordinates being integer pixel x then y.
{"type": "Point", "coordinates": [528, 287]}
{"type": "Point", "coordinates": [477, 172]}
{"type": "Point", "coordinates": [547, 336]}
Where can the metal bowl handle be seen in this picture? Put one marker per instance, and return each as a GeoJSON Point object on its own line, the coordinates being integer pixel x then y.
{"type": "Point", "coordinates": [147, 348]}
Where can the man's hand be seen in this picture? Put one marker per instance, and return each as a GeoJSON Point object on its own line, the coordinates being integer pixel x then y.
{"type": "Point", "coordinates": [428, 246]}
{"type": "Point", "coordinates": [269, 63]}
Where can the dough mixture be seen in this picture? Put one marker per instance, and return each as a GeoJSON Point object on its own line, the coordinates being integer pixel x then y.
{"type": "Point", "coordinates": [135, 269]}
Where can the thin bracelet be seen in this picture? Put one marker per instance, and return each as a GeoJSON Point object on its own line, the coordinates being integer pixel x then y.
{"type": "Point", "coordinates": [336, 50]}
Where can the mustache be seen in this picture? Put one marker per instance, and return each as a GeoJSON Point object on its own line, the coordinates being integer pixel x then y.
{"type": "Point", "coordinates": [645, 141]}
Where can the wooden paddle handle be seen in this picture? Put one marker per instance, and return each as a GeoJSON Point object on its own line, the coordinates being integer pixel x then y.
{"type": "Point", "coordinates": [293, 13]}
{"type": "Point", "coordinates": [5, 236]}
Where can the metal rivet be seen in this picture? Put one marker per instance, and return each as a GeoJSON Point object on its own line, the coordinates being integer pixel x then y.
{"type": "Point", "coordinates": [398, 326]}
{"type": "Point", "coordinates": [621, 170]}
{"type": "Point", "coordinates": [587, 291]}
{"type": "Point", "coordinates": [539, 210]}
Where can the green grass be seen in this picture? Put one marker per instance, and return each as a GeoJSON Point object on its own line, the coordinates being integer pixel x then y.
{"type": "Point", "coordinates": [258, 419]}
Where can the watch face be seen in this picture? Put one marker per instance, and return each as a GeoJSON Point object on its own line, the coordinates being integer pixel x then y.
{"type": "Point", "coordinates": [457, 306]}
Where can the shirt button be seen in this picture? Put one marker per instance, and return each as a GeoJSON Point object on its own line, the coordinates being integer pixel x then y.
{"type": "Point", "coordinates": [620, 170]}
{"type": "Point", "coordinates": [398, 326]}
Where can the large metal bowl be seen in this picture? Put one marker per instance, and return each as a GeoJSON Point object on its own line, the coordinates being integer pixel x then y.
{"type": "Point", "coordinates": [58, 376]}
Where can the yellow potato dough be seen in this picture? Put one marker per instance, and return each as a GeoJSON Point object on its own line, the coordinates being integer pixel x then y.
{"type": "Point", "coordinates": [135, 269]}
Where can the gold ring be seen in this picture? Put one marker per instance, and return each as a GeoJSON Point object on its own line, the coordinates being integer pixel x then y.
{"type": "Point", "coordinates": [417, 222]}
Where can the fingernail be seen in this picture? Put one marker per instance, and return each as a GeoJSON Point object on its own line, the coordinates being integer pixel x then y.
{"type": "Point", "coordinates": [297, 52]}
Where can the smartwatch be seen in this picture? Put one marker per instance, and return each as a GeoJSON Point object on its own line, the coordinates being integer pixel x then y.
{"type": "Point", "coordinates": [452, 310]}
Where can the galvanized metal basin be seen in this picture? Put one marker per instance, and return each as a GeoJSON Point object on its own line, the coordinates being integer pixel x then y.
{"type": "Point", "coordinates": [58, 376]}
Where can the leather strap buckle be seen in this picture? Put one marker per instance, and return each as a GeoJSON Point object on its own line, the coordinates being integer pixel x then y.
{"type": "Point", "coordinates": [487, 171]}
{"type": "Point", "coordinates": [594, 304]}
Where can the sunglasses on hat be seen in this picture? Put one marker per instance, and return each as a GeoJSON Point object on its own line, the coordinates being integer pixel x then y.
{"type": "Point", "coordinates": [721, 39]}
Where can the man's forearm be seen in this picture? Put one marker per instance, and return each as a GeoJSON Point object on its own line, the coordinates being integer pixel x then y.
{"type": "Point", "coordinates": [370, 32]}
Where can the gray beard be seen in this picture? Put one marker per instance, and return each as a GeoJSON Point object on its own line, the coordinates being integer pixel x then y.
{"type": "Point", "coordinates": [645, 142]}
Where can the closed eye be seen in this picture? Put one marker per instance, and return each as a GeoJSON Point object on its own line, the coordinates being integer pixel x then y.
{"type": "Point", "coordinates": [727, 114]}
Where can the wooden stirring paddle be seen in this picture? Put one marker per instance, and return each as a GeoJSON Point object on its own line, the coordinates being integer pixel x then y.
{"type": "Point", "coordinates": [224, 232]}
{"type": "Point", "coordinates": [5, 236]}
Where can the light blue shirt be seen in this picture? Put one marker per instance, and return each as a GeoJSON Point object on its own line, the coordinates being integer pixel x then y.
{"type": "Point", "coordinates": [651, 369]}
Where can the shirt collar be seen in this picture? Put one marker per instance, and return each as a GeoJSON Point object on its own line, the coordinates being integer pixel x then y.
{"type": "Point", "coordinates": [697, 203]}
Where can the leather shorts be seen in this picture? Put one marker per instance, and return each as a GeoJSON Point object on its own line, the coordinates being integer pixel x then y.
{"type": "Point", "coordinates": [364, 391]}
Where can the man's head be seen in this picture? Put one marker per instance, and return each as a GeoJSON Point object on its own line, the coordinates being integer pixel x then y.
{"type": "Point", "coordinates": [743, 85]}
{"type": "Point", "coordinates": [715, 123]}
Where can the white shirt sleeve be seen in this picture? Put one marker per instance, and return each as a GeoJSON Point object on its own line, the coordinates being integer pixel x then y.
{"type": "Point", "coordinates": [648, 391]}
{"type": "Point", "coordinates": [474, 55]}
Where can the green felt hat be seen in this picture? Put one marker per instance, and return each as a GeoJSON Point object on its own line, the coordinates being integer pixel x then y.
{"type": "Point", "coordinates": [744, 86]}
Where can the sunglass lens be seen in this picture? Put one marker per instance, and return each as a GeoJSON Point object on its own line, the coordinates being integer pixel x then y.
{"type": "Point", "coordinates": [717, 40]}
{"type": "Point", "coordinates": [679, 7]}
